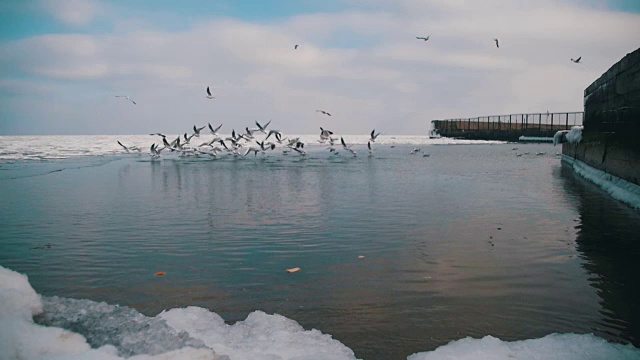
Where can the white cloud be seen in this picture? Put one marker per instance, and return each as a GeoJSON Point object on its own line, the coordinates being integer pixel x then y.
{"type": "Point", "coordinates": [386, 79]}
{"type": "Point", "coordinates": [73, 12]}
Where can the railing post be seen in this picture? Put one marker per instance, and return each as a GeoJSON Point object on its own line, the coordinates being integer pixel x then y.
{"type": "Point", "coordinates": [540, 122]}
{"type": "Point", "coordinates": [567, 125]}
{"type": "Point", "coordinates": [552, 122]}
{"type": "Point", "coordinates": [509, 121]}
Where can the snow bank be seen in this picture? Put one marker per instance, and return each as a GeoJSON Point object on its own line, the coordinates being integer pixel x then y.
{"type": "Point", "coordinates": [574, 136]}
{"type": "Point", "coordinates": [109, 332]}
{"type": "Point", "coordinates": [550, 347]}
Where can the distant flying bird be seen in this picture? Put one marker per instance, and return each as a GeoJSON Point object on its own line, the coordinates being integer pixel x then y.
{"type": "Point", "coordinates": [209, 94]}
{"type": "Point", "coordinates": [423, 38]}
{"type": "Point", "coordinates": [128, 98]}
{"type": "Point", "coordinates": [577, 60]}
{"type": "Point", "coordinates": [295, 47]}
{"type": "Point", "coordinates": [497, 44]}
{"type": "Point", "coordinates": [324, 112]}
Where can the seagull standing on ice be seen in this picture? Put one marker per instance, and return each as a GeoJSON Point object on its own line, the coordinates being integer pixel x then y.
{"type": "Point", "coordinates": [209, 94]}
{"type": "Point", "coordinates": [577, 60]}
{"type": "Point", "coordinates": [128, 98]}
{"type": "Point", "coordinates": [497, 43]}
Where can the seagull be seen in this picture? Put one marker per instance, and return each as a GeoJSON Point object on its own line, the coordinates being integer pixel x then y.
{"type": "Point", "coordinates": [325, 135]}
{"type": "Point", "coordinates": [374, 135]}
{"type": "Point", "coordinates": [128, 98]}
{"type": "Point", "coordinates": [347, 148]}
{"type": "Point", "coordinates": [497, 44]}
{"type": "Point", "coordinates": [155, 152]}
{"type": "Point", "coordinates": [324, 112]}
{"type": "Point", "coordinates": [188, 138]}
{"type": "Point", "coordinates": [196, 131]}
{"type": "Point", "coordinates": [414, 151]}
{"type": "Point", "coordinates": [159, 134]}
{"type": "Point", "coordinates": [214, 131]}
{"type": "Point", "coordinates": [577, 60]}
{"type": "Point", "coordinates": [263, 128]}
{"type": "Point", "coordinates": [295, 47]}
{"type": "Point", "coordinates": [423, 38]}
{"type": "Point", "coordinates": [209, 94]}
{"type": "Point", "coordinates": [276, 133]}
{"type": "Point", "coordinates": [128, 149]}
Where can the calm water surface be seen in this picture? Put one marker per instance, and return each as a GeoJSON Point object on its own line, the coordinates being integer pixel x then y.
{"type": "Point", "coordinates": [471, 241]}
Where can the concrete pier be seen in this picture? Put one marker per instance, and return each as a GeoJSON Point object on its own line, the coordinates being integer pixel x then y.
{"type": "Point", "coordinates": [611, 134]}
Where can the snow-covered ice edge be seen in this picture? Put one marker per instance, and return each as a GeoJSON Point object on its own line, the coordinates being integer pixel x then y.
{"type": "Point", "coordinates": [112, 332]}
{"type": "Point", "coordinates": [618, 188]}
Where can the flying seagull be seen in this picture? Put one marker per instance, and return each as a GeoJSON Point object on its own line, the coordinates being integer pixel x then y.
{"type": "Point", "coordinates": [209, 94]}
{"type": "Point", "coordinates": [423, 38]}
{"type": "Point", "coordinates": [128, 98]}
{"type": "Point", "coordinates": [324, 112]}
{"type": "Point", "coordinates": [129, 148]}
{"type": "Point", "coordinates": [347, 147]}
{"type": "Point", "coordinates": [196, 131]}
{"type": "Point", "coordinates": [214, 131]}
{"type": "Point", "coordinates": [295, 47]}
{"type": "Point", "coordinates": [577, 60]}
{"type": "Point", "coordinates": [497, 44]}
{"type": "Point", "coordinates": [374, 135]}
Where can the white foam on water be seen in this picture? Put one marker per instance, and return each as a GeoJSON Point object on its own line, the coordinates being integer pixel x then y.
{"type": "Point", "coordinates": [62, 147]}
{"type": "Point", "coordinates": [618, 188]}
{"type": "Point", "coordinates": [84, 329]}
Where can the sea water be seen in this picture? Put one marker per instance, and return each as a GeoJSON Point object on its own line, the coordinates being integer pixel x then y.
{"type": "Point", "coordinates": [399, 254]}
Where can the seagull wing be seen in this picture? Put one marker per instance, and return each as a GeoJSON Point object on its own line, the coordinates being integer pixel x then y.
{"type": "Point", "coordinates": [342, 141]}
{"type": "Point", "coordinates": [119, 143]}
{"type": "Point", "coordinates": [578, 59]}
{"type": "Point", "coordinates": [369, 145]}
{"type": "Point", "coordinates": [208, 91]}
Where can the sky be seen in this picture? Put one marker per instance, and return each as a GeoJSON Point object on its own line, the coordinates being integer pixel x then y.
{"type": "Point", "coordinates": [63, 61]}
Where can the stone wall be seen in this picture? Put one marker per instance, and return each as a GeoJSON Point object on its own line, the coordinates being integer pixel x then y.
{"type": "Point", "coordinates": [611, 135]}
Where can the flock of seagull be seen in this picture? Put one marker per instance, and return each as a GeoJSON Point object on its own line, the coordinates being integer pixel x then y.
{"type": "Point", "coordinates": [245, 143]}
{"type": "Point", "coordinates": [242, 144]}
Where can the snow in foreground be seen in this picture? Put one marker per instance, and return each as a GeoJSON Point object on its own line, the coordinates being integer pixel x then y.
{"type": "Point", "coordinates": [106, 332]}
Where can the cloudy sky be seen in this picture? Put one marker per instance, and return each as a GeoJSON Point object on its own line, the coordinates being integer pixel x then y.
{"type": "Point", "coordinates": [63, 61]}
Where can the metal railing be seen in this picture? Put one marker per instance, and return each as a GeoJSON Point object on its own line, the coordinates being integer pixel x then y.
{"type": "Point", "coordinates": [513, 122]}
{"type": "Point", "coordinates": [508, 127]}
